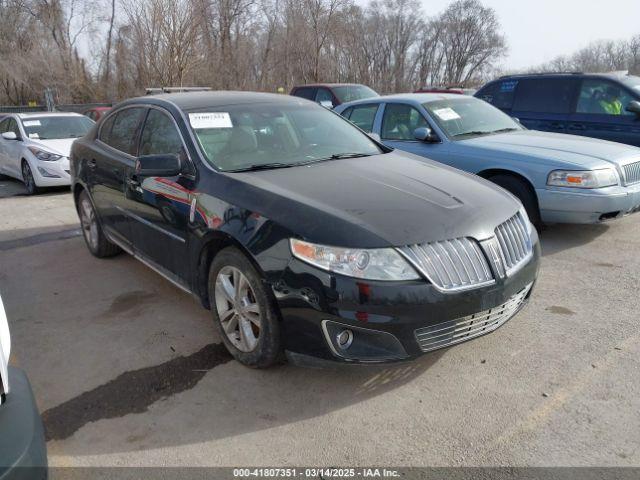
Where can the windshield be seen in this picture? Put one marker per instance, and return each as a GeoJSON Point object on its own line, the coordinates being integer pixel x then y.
{"type": "Point", "coordinates": [251, 136]}
{"type": "Point", "coordinates": [466, 117]}
{"type": "Point", "coordinates": [632, 82]}
{"type": "Point", "coordinates": [51, 127]}
{"type": "Point", "coordinates": [350, 93]}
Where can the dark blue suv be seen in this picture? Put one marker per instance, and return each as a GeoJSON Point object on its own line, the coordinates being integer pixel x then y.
{"type": "Point", "coordinates": [605, 106]}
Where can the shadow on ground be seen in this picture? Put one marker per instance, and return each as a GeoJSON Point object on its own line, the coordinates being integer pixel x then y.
{"type": "Point", "coordinates": [560, 237]}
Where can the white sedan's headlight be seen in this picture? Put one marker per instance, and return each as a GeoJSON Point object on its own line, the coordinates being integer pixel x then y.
{"type": "Point", "coordinates": [369, 264]}
{"type": "Point", "coordinates": [44, 155]}
{"type": "Point", "coordinates": [605, 177]}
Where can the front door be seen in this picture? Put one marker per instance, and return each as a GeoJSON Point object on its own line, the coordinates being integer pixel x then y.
{"type": "Point", "coordinates": [10, 149]}
{"type": "Point", "coordinates": [601, 113]}
{"type": "Point", "coordinates": [159, 207]}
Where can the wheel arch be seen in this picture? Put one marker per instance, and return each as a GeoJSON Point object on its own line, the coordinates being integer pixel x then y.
{"type": "Point", "coordinates": [210, 246]}
{"type": "Point", "coordinates": [492, 172]}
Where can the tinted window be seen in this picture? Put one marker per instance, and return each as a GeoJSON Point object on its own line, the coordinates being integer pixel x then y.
{"type": "Point", "coordinates": [258, 134]}
{"type": "Point", "coordinates": [350, 93]}
{"type": "Point", "coordinates": [123, 131]}
{"type": "Point", "coordinates": [363, 116]}
{"type": "Point", "coordinates": [159, 135]}
{"type": "Point", "coordinates": [499, 94]}
{"type": "Point", "coordinates": [544, 95]}
{"type": "Point", "coordinates": [324, 95]}
{"type": "Point", "coordinates": [4, 125]}
{"type": "Point", "coordinates": [399, 122]}
{"type": "Point", "coordinates": [602, 97]}
{"type": "Point", "coordinates": [305, 92]}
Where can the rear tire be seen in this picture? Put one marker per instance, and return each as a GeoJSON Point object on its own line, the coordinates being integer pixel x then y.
{"type": "Point", "coordinates": [28, 179]}
{"type": "Point", "coordinates": [94, 236]}
{"type": "Point", "coordinates": [243, 311]}
{"type": "Point", "coordinates": [521, 190]}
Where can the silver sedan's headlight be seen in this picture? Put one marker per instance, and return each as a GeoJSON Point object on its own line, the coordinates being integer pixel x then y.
{"type": "Point", "coordinates": [44, 155]}
{"type": "Point", "coordinates": [605, 177]}
{"type": "Point", "coordinates": [369, 264]}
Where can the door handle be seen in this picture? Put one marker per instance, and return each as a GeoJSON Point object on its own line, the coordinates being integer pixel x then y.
{"type": "Point", "coordinates": [92, 164]}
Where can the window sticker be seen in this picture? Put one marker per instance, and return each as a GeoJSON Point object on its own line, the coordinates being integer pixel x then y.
{"type": "Point", "coordinates": [34, 135]}
{"type": "Point", "coordinates": [31, 123]}
{"type": "Point", "coordinates": [508, 86]}
{"type": "Point", "coordinates": [210, 120]}
{"type": "Point", "coordinates": [446, 114]}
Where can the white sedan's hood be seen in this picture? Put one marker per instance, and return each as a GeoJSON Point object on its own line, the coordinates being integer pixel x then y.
{"type": "Point", "coordinates": [5, 348]}
{"type": "Point", "coordinates": [61, 146]}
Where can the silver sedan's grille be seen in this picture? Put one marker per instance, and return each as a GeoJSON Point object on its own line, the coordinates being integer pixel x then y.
{"type": "Point", "coordinates": [451, 265]}
{"type": "Point", "coordinates": [455, 331]}
{"type": "Point", "coordinates": [514, 240]}
{"type": "Point", "coordinates": [632, 173]}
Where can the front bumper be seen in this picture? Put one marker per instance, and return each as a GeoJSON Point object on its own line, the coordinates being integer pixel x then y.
{"type": "Point", "coordinates": [570, 205]}
{"type": "Point", "coordinates": [51, 174]}
{"type": "Point", "coordinates": [386, 318]}
{"type": "Point", "coordinates": [23, 451]}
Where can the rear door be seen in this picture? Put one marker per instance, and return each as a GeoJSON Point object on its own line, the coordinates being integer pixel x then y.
{"type": "Point", "coordinates": [110, 164]}
{"type": "Point", "coordinates": [545, 103]}
{"type": "Point", "coordinates": [601, 112]}
{"type": "Point", "coordinates": [159, 206]}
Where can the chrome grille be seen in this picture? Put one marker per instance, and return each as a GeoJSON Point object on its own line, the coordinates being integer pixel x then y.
{"type": "Point", "coordinates": [514, 240]}
{"type": "Point", "coordinates": [632, 173]}
{"type": "Point", "coordinates": [455, 331]}
{"type": "Point", "coordinates": [451, 265]}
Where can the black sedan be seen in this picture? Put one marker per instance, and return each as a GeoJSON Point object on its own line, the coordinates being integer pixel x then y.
{"type": "Point", "coordinates": [303, 235]}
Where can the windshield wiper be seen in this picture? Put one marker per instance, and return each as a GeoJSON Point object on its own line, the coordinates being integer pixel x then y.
{"type": "Point", "coordinates": [473, 132]}
{"type": "Point", "coordinates": [339, 156]}
{"type": "Point", "coordinates": [263, 166]}
{"type": "Point", "coordinates": [508, 129]}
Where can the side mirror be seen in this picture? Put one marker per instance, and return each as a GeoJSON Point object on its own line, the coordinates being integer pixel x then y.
{"type": "Point", "coordinates": [326, 104]}
{"type": "Point", "coordinates": [158, 166]}
{"type": "Point", "coordinates": [10, 136]}
{"type": "Point", "coordinates": [633, 107]}
{"type": "Point", "coordinates": [425, 134]}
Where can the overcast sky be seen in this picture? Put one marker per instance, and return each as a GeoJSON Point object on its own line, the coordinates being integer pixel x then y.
{"type": "Point", "coordinates": [538, 30]}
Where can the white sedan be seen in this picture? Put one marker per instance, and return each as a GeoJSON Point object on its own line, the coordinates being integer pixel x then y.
{"type": "Point", "coordinates": [34, 147]}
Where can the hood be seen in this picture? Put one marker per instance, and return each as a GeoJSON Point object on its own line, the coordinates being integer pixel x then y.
{"type": "Point", "coordinates": [5, 348]}
{"type": "Point", "coordinates": [393, 199]}
{"type": "Point", "coordinates": [61, 146]}
{"type": "Point", "coordinates": [581, 152]}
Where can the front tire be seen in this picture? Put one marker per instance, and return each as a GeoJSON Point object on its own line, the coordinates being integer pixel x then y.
{"type": "Point", "coordinates": [94, 236]}
{"type": "Point", "coordinates": [28, 179]}
{"type": "Point", "coordinates": [521, 190]}
{"type": "Point", "coordinates": [243, 312]}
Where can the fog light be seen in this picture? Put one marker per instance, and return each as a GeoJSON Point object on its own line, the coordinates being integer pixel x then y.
{"type": "Point", "coordinates": [344, 339]}
{"type": "Point", "coordinates": [47, 173]}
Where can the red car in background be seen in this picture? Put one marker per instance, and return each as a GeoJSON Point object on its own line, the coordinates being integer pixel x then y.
{"type": "Point", "coordinates": [331, 95]}
{"type": "Point", "coordinates": [96, 113]}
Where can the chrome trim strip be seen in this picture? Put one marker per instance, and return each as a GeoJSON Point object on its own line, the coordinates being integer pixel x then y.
{"type": "Point", "coordinates": [149, 263]}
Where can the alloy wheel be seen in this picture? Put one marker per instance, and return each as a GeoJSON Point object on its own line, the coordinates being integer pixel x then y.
{"type": "Point", "coordinates": [27, 177]}
{"type": "Point", "coordinates": [237, 309]}
{"type": "Point", "coordinates": [89, 223]}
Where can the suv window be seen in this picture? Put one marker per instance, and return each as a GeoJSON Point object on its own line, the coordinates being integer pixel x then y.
{"type": "Point", "coordinates": [362, 115]}
{"type": "Point", "coordinates": [399, 122]}
{"type": "Point", "coordinates": [602, 97]}
{"type": "Point", "coordinates": [121, 131]}
{"type": "Point", "coordinates": [544, 95]}
{"type": "Point", "coordinates": [499, 94]}
{"type": "Point", "coordinates": [160, 136]}
{"type": "Point", "coordinates": [305, 92]}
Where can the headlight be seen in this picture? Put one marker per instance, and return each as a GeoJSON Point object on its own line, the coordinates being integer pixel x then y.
{"type": "Point", "coordinates": [605, 177]}
{"type": "Point", "coordinates": [369, 264]}
{"type": "Point", "coordinates": [44, 155]}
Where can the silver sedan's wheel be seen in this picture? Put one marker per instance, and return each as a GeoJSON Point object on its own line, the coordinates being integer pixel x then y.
{"type": "Point", "coordinates": [237, 309]}
{"type": "Point", "coordinates": [89, 222]}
